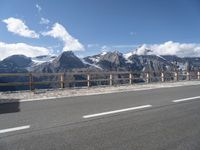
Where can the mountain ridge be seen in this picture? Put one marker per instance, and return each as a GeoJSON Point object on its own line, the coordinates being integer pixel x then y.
{"type": "Point", "coordinates": [106, 61]}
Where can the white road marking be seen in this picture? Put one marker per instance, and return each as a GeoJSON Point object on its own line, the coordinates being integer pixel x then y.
{"type": "Point", "coordinates": [39, 99]}
{"type": "Point", "coordinates": [116, 111]}
{"type": "Point", "coordinates": [14, 129]}
{"type": "Point", "coordinates": [186, 99]}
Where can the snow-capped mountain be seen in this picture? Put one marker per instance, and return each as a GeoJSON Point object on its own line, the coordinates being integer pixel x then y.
{"type": "Point", "coordinates": [64, 62]}
{"type": "Point", "coordinates": [95, 58]}
{"type": "Point", "coordinates": [109, 61]}
{"type": "Point", "coordinates": [106, 61]}
{"type": "Point", "coordinates": [116, 61]}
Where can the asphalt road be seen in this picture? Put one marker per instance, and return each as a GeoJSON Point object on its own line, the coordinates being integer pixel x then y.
{"type": "Point", "coordinates": [156, 119]}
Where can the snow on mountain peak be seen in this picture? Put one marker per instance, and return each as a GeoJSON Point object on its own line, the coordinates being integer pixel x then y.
{"type": "Point", "coordinates": [127, 55]}
{"type": "Point", "coordinates": [44, 58]}
{"type": "Point", "coordinates": [103, 53]}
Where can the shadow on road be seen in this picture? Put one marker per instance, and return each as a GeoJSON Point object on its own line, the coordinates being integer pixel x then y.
{"type": "Point", "coordinates": [12, 106]}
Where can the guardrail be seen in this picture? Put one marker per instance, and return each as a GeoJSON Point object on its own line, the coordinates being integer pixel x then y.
{"type": "Point", "coordinates": [62, 80]}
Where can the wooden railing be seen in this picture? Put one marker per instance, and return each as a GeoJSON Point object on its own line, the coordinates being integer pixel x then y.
{"type": "Point", "coordinates": [88, 79]}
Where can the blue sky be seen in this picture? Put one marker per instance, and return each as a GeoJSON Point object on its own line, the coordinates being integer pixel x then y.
{"type": "Point", "coordinates": [91, 26]}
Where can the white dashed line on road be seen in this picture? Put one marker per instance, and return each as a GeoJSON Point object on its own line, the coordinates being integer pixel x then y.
{"type": "Point", "coordinates": [186, 99]}
{"type": "Point", "coordinates": [14, 129]}
{"type": "Point", "coordinates": [116, 111]}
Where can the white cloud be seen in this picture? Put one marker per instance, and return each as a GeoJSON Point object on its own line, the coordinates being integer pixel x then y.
{"type": "Point", "coordinates": [44, 21]}
{"type": "Point", "coordinates": [18, 27]}
{"type": "Point", "coordinates": [106, 48]}
{"type": "Point", "coordinates": [70, 43]}
{"type": "Point", "coordinates": [39, 8]}
{"type": "Point", "coordinates": [171, 48]}
{"type": "Point", "coordinates": [22, 49]}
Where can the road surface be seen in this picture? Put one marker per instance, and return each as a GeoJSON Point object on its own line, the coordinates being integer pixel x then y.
{"type": "Point", "coordinates": [156, 119]}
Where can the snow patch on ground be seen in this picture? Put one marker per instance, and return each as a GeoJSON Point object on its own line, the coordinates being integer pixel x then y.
{"type": "Point", "coordinates": [127, 55]}
{"type": "Point", "coordinates": [161, 57]}
{"type": "Point", "coordinates": [87, 63]}
{"type": "Point", "coordinates": [42, 59]}
{"type": "Point", "coordinates": [103, 53]}
{"type": "Point", "coordinates": [95, 59]}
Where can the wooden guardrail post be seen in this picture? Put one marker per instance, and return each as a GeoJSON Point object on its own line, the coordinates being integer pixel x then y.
{"type": "Point", "coordinates": [188, 75]}
{"type": "Point", "coordinates": [162, 77]}
{"type": "Point", "coordinates": [175, 76]}
{"type": "Point", "coordinates": [88, 80]}
{"type": "Point", "coordinates": [111, 79]}
{"type": "Point", "coordinates": [147, 77]}
{"type": "Point", "coordinates": [198, 75]}
{"type": "Point", "coordinates": [62, 83]}
{"type": "Point", "coordinates": [130, 78]}
{"type": "Point", "coordinates": [30, 81]}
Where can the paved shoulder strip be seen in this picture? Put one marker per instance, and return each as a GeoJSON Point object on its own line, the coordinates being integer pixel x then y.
{"type": "Point", "coordinates": [116, 111]}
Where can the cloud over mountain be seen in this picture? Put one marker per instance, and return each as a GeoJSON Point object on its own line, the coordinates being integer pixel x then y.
{"type": "Point", "coordinates": [70, 43]}
{"type": "Point", "coordinates": [170, 48]}
{"type": "Point", "coordinates": [17, 26]}
{"type": "Point", "coordinates": [22, 49]}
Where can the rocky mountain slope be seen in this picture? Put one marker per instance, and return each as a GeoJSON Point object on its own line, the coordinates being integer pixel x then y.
{"type": "Point", "coordinates": [67, 61]}
{"type": "Point", "coordinates": [107, 61]}
{"type": "Point", "coordinates": [115, 61]}
{"type": "Point", "coordinates": [15, 64]}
